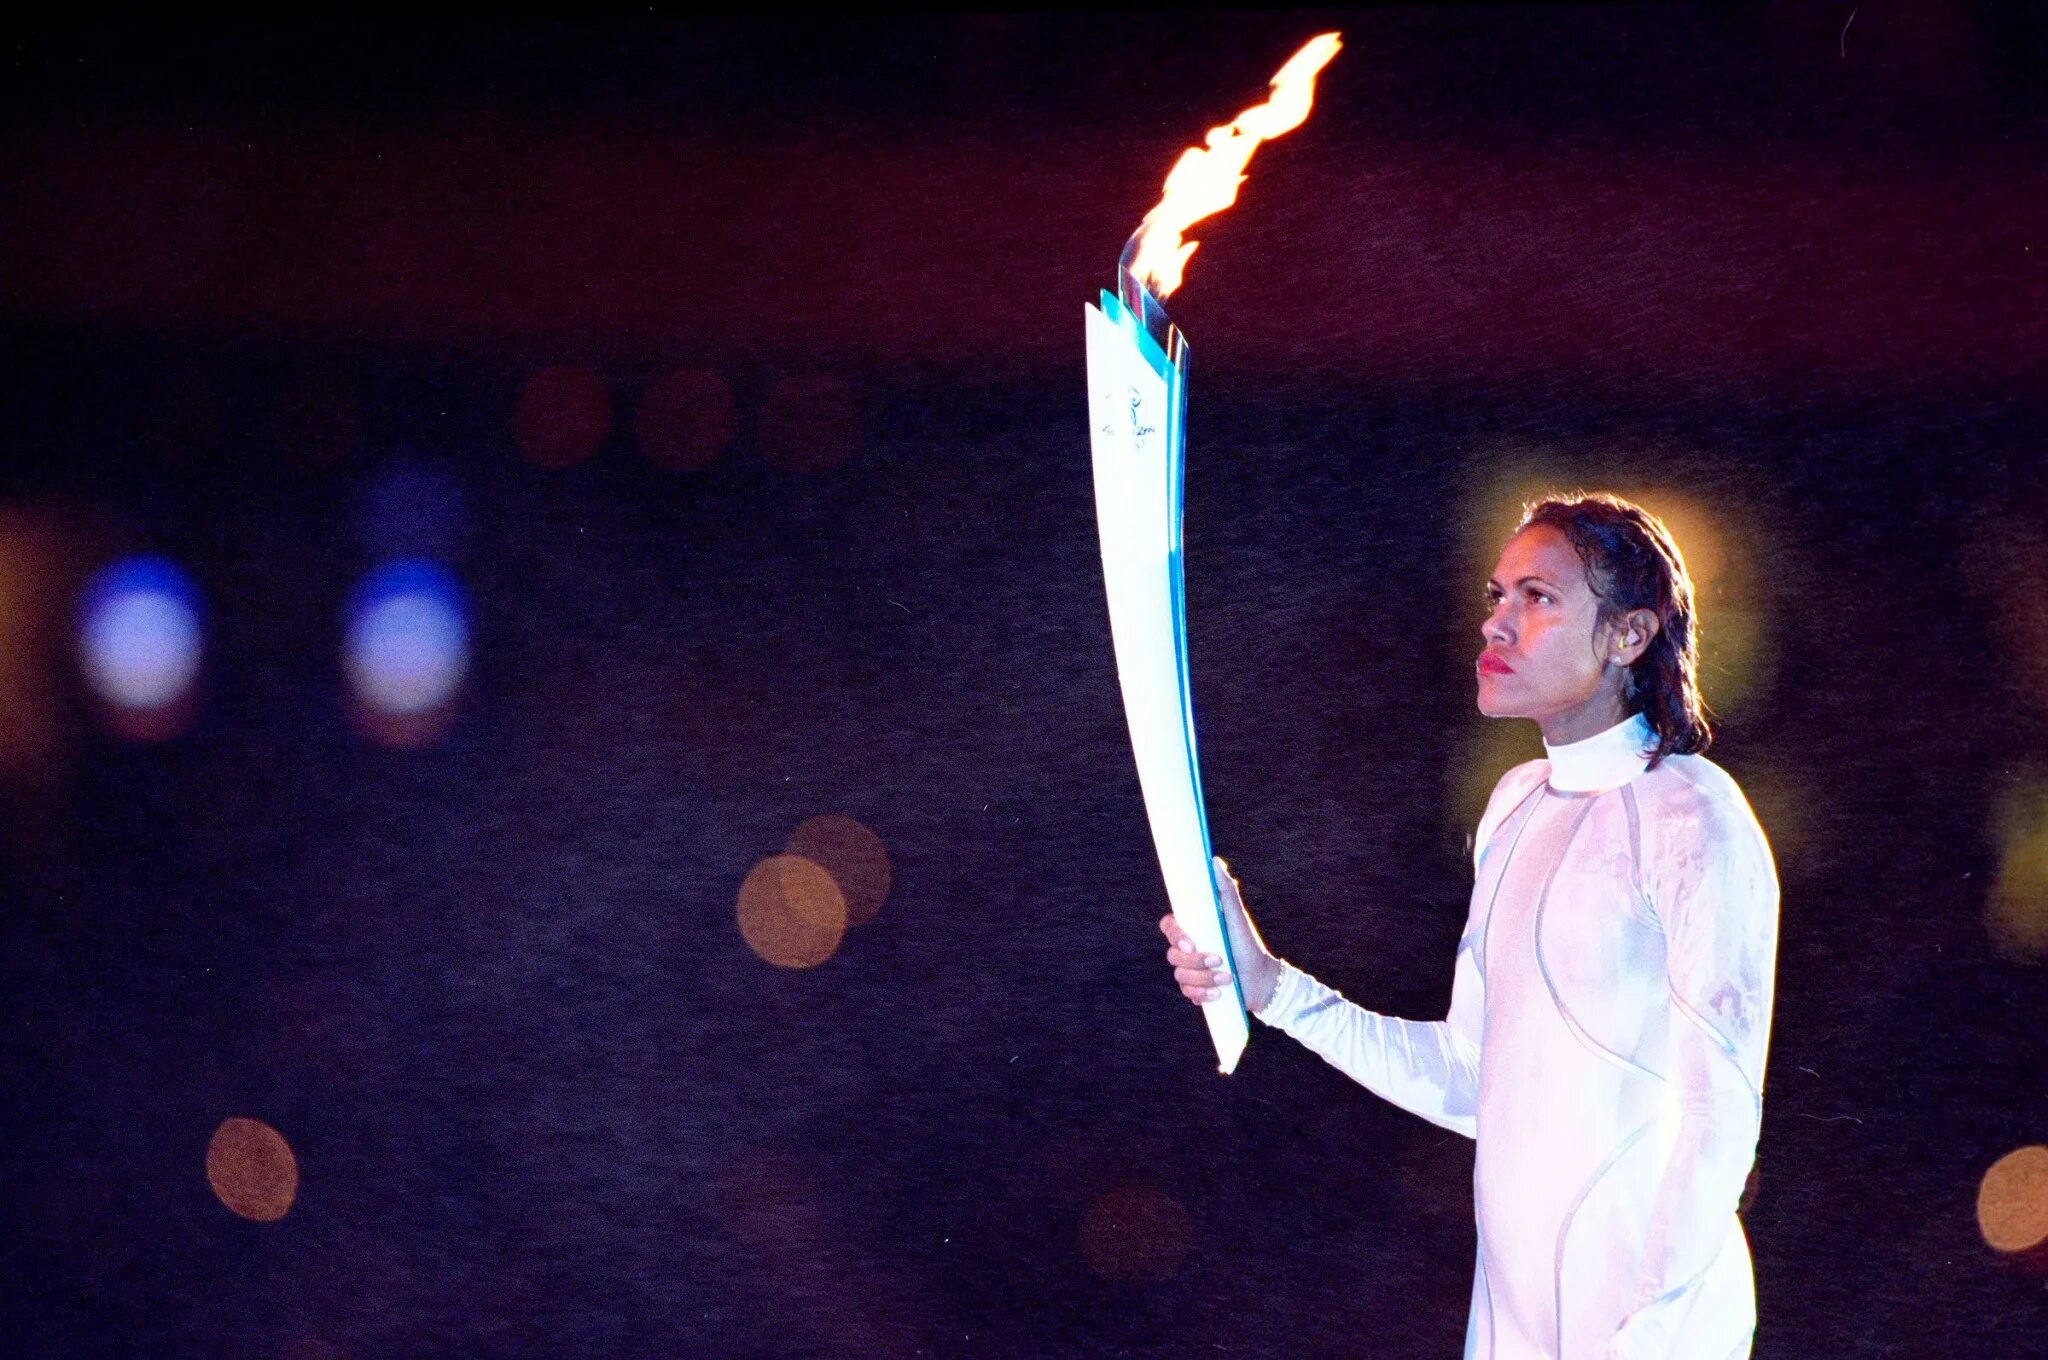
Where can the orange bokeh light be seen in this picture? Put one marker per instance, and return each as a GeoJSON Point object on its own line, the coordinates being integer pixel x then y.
{"type": "Point", "coordinates": [791, 912]}
{"type": "Point", "coordinates": [853, 855]}
{"type": "Point", "coordinates": [251, 1168]}
{"type": "Point", "coordinates": [2012, 1202]}
{"type": "Point", "coordinates": [2016, 909]}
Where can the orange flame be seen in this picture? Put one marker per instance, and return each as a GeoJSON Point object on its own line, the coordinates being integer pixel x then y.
{"type": "Point", "coordinates": [1204, 180]}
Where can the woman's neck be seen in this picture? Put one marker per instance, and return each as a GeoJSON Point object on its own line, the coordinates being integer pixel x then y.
{"type": "Point", "coordinates": [1589, 719]}
{"type": "Point", "coordinates": [1605, 760]}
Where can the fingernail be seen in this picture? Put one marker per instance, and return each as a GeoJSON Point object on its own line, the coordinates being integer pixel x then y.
{"type": "Point", "coordinates": [1187, 947]}
{"type": "Point", "coordinates": [1211, 961]}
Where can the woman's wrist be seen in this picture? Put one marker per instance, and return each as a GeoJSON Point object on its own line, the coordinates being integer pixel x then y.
{"type": "Point", "coordinates": [1264, 984]}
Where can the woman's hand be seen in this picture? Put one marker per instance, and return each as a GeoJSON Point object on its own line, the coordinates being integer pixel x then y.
{"type": "Point", "coordinates": [1202, 977]}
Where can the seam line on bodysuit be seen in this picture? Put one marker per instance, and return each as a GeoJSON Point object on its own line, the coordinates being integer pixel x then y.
{"type": "Point", "coordinates": [1486, 1288]}
{"type": "Point", "coordinates": [1487, 848]}
{"type": "Point", "coordinates": [1721, 1042]}
{"type": "Point", "coordinates": [1728, 1052]}
{"type": "Point", "coordinates": [1672, 1294]}
{"type": "Point", "coordinates": [1571, 1022]}
{"type": "Point", "coordinates": [1635, 857]}
{"type": "Point", "coordinates": [1486, 931]}
{"type": "Point", "coordinates": [1564, 1229]}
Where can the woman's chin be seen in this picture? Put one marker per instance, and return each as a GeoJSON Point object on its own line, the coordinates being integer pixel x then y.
{"type": "Point", "coordinates": [1493, 704]}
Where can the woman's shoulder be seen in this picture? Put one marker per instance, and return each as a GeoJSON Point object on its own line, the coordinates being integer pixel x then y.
{"type": "Point", "coordinates": [1690, 798]}
{"type": "Point", "coordinates": [1514, 786]}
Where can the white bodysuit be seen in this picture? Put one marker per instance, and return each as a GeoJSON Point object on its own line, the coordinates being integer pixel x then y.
{"type": "Point", "coordinates": [1610, 1009]}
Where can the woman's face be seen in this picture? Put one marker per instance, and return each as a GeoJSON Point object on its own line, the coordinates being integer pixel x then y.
{"type": "Point", "coordinates": [1542, 658]}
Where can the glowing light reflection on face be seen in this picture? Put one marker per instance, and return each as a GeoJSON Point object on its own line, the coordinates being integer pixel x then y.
{"type": "Point", "coordinates": [1736, 659]}
{"type": "Point", "coordinates": [1542, 622]}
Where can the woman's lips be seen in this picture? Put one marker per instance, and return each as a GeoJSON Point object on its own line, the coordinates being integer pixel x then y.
{"type": "Point", "coordinates": [1489, 664]}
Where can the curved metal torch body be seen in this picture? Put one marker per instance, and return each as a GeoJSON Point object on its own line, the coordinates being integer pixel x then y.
{"type": "Point", "coordinates": [1137, 392]}
{"type": "Point", "coordinates": [1137, 407]}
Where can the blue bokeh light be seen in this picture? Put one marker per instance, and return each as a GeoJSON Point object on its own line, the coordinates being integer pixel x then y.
{"type": "Point", "coordinates": [407, 644]}
{"type": "Point", "coordinates": [141, 639]}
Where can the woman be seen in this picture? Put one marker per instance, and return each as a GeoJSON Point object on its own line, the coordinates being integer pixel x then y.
{"type": "Point", "coordinates": [1611, 1000]}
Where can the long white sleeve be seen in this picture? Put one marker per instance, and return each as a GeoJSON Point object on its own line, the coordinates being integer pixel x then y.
{"type": "Point", "coordinates": [1427, 1067]}
{"type": "Point", "coordinates": [1710, 879]}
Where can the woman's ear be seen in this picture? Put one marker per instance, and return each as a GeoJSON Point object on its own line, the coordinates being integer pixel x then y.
{"type": "Point", "coordinates": [1633, 634]}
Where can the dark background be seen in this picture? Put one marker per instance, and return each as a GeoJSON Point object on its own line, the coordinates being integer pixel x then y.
{"type": "Point", "coordinates": [1779, 270]}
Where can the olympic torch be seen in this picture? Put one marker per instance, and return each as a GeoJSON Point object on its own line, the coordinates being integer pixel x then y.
{"type": "Point", "coordinates": [1137, 408]}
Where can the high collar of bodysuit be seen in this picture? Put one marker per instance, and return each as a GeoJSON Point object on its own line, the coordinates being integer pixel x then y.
{"type": "Point", "coordinates": [1602, 761]}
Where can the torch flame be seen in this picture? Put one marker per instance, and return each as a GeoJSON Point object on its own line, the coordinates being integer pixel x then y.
{"type": "Point", "coordinates": [1204, 181]}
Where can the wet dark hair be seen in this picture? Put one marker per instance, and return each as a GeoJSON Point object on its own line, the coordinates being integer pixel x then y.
{"type": "Point", "coordinates": [1632, 562]}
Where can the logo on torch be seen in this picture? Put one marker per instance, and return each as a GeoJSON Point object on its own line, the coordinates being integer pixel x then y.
{"type": "Point", "coordinates": [1137, 396]}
